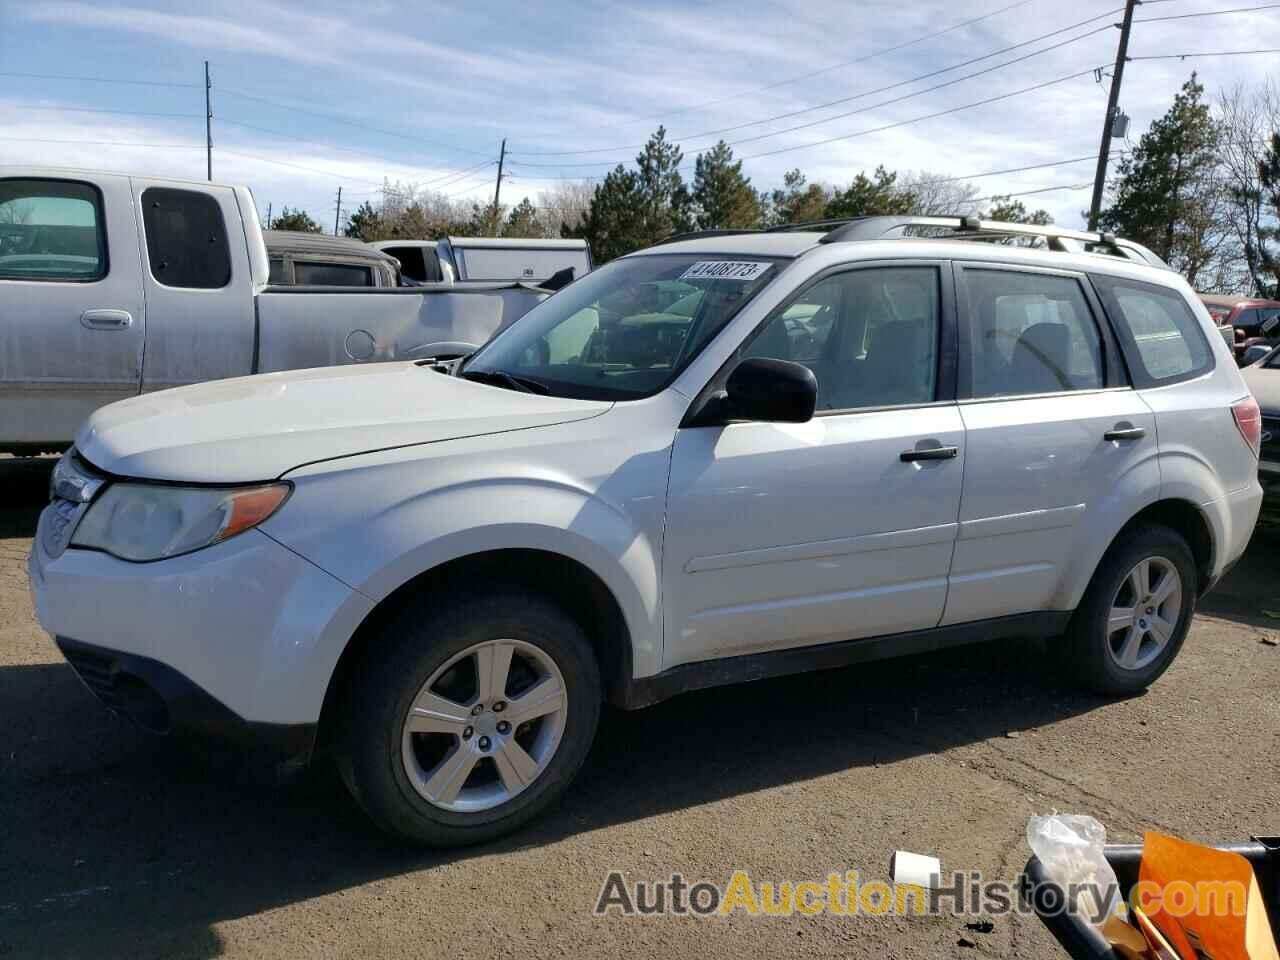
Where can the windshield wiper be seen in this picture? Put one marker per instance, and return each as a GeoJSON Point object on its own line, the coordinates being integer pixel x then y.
{"type": "Point", "coordinates": [501, 378]}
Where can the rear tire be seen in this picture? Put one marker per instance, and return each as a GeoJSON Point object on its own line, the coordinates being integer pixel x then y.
{"type": "Point", "coordinates": [457, 772]}
{"type": "Point", "coordinates": [1135, 613]}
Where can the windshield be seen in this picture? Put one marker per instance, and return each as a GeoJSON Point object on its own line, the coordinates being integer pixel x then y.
{"type": "Point", "coordinates": [624, 331]}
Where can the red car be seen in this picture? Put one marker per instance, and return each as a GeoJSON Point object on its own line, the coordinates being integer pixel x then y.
{"type": "Point", "coordinates": [1245, 314]}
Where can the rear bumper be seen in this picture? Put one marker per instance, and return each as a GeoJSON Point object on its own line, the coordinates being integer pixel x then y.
{"type": "Point", "coordinates": [162, 700]}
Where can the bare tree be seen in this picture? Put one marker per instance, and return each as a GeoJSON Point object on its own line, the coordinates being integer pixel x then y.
{"type": "Point", "coordinates": [565, 205]}
{"type": "Point", "coordinates": [1247, 117]}
{"type": "Point", "coordinates": [937, 195]}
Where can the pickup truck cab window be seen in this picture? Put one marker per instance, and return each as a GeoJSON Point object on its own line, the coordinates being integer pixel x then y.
{"type": "Point", "coordinates": [624, 331]}
{"type": "Point", "coordinates": [51, 230]}
{"type": "Point", "coordinates": [186, 239]}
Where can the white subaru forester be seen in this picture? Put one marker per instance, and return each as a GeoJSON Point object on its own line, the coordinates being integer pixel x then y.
{"type": "Point", "coordinates": [722, 458]}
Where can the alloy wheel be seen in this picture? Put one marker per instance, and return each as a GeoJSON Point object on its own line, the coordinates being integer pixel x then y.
{"type": "Point", "coordinates": [484, 726]}
{"type": "Point", "coordinates": [1144, 613]}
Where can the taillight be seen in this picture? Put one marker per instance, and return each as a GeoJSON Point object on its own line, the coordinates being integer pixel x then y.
{"type": "Point", "coordinates": [1249, 419]}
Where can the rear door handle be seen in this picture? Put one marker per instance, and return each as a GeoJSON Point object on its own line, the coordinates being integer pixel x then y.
{"type": "Point", "coordinates": [928, 453]}
{"type": "Point", "coordinates": [106, 319]}
{"type": "Point", "coordinates": [1124, 433]}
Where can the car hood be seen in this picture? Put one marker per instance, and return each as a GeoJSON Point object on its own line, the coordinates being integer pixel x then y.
{"type": "Point", "coordinates": [258, 428]}
{"type": "Point", "coordinates": [1264, 384]}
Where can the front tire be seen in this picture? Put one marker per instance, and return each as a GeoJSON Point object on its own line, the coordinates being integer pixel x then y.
{"type": "Point", "coordinates": [1135, 613]}
{"type": "Point", "coordinates": [465, 722]}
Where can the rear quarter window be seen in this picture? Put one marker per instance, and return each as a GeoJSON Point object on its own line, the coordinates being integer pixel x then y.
{"type": "Point", "coordinates": [186, 238]}
{"type": "Point", "coordinates": [1159, 333]}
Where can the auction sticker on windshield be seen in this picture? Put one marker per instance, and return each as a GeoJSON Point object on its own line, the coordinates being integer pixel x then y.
{"type": "Point", "coordinates": [744, 270]}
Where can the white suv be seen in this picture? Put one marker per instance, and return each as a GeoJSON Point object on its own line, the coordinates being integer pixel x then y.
{"type": "Point", "coordinates": [723, 458]}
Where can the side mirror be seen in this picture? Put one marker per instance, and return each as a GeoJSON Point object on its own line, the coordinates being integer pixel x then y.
{"type": "Point", "coordinates": [778, 391]}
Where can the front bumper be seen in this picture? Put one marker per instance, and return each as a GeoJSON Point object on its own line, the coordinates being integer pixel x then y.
{"type": "Point", "coordinates": [161, 700]}
{"type": "Point", "coordinates": [238, 638]}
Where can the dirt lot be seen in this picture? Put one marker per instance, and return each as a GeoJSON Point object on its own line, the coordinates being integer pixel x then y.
{"type": "Point", "coordinates": [113, 844]}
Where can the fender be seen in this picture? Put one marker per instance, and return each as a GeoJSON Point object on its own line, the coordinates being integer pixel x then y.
{"type": "Point", "coordinates": [1186, 475]}
{"type": "Point", "coordinates": [1135, 490]}
{"type": "Point", "coordinates": [377, 554]}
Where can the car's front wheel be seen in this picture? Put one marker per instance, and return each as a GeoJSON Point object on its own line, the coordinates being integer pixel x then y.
{"type": "Point", "coordinates": [1135, 613]}
{"type": "Point", "coordinates": [465, 722]}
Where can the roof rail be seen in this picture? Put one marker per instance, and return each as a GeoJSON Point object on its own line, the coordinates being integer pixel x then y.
{"type": "Point", "coordinates": [812, 225]}
{"type": "Point", "coordinates": [702, 234]}
{"type": "Point", "coordinates": [972, 228]}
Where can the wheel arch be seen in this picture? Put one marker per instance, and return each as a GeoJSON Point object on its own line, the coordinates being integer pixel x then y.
{"type": "Point", "coordinates": [568, 581]}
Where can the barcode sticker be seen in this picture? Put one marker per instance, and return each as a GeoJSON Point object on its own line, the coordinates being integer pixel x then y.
{"type": "Point", "coordinates": [743, 270]}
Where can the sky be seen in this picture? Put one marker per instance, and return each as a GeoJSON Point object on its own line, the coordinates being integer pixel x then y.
{"type": "Point", "coordinates": [309, 97]}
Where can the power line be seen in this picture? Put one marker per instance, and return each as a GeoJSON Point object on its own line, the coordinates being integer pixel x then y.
{"type": "Point", "coordinates": [130, 113]}
{"type": "Point", "coordinates": [109, 143]}
{"type": "Point", "coordinates": [1215, 53]}
{"type": "Point", "coordinates": [344, 120]}
{"type": "Point", "coordinates": [64, 76]}
{"type": "Point", "coordinates": [819, 72]}
{"type": "Point", "coordinates": [1205, 13]}
{"type": "Point", "coordinates": [299, 166]}
{"type": "Point", "coordinates": [867, 93]}
{"type": "Point", "coordinates": [928, 116]}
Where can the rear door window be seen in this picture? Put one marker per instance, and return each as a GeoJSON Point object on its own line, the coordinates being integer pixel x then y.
{"type": "Point", "coordinates": [1030, 333]}
{"type": "Point", "coordinates": [1161, 338]}
{"type": "Point", "coordinates": [186, 238]}
{"type": "Point", "coordinates": [51, 230]}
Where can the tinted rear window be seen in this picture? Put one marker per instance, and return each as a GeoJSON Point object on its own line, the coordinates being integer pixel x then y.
{"type": "Point", "coordinates": [186, 238]}
{"type": "Point", "coordinates": [1161, 336]}
{"type": "Point", "coordinates": [331, 275]}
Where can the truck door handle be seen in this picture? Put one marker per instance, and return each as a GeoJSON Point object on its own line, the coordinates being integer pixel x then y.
{"type": "Point", "coordinates": [106, 319]}
{"type": "Point", "coordinates": [928, 453]}
{"type": "Point", "coordinates": [1123, 432]}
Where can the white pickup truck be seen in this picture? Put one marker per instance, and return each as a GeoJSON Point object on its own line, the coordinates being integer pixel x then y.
{"type": "Point", "coordinates": [487, 259]}
{"type": "Point", "coordinates": [115, 285]}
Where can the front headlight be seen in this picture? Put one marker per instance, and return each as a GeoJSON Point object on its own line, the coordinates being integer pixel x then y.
{"type": "Point", "coordinates": [145, 521]}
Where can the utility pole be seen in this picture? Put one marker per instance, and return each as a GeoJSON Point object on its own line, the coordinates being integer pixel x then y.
{"type": "Point", "coordinates": [268, 216]}
{"type": "Point", "coordinates": [208, 125]}
{"type": "Point", "coordinates": [1113, 105]}
{"type": "Point", "coordinates": [497, 187]}
{"type": "Point", "coordinates": [337, 216]}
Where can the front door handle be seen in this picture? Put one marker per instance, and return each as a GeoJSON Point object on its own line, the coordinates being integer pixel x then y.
{"type": "Point", "coordinates": [1124, 432]}
{"type": "Point", "coordinates": [106, 319]}
{"type": "Point", "coordinates": [928, 453]}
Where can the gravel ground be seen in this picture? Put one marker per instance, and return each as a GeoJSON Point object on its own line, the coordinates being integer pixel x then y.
{"type": "Point", "coordinates": [113, 844]}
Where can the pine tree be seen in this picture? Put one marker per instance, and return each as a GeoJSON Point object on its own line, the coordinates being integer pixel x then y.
{"type": "Point", "coordinates": [523, 221]}
{"type": "Point", "coordinates": [722, 196]}
{"type": "Point", "coordinates": [1166, 194]}
{"type": "Point", "coordinates": [295, 220]}
{"type": "Point", "coordinates": [796, 202]}
{"type": "Point", "coordinates": [636, 208]}
{"type": "Point", "coordinates": [1008, 210]}
{"type": "Point", "coordinates": [366, 224]}
{"type": "Point", "coordinates": [870, 196]}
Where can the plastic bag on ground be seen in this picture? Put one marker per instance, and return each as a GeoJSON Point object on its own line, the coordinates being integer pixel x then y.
{"type": "Point", "coordinates": [1069, 847]}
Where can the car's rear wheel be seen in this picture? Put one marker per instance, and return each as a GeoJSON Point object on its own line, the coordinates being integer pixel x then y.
{"type": "Point", "coordinates": [1135, 613]}
{"type": "Point", "coordinates": [464, 723]}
